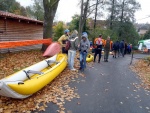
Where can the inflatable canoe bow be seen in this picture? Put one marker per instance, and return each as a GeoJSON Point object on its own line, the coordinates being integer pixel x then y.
{"type": "Point", "coordinates": [30, 80]}
{"type": "Point", "coordinates": [89, 58]}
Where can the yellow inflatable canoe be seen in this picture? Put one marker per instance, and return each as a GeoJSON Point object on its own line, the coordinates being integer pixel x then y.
{"type": "Point", "coordinates": [30, 80]}
{"type": "Point", "coordinates": [89, 58]}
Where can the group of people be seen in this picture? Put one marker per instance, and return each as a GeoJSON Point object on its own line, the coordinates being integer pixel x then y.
{"type": "Point", "coordinates": [99, 43]}
{"type": "Point", "coordinates": [121, 48]}
{"type": "Point", "coordinates": [117, 48]}
{"type": "Point", "coordinates": [71, 43]}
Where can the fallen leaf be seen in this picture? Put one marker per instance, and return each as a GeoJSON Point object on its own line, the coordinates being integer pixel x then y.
{"type": "Point", "coordinates": [78, 103]}
{"type": "Point", "coordinates": [121, 102]}
{"type": "Point", "coordinates": [106, 90]}
{"type": "Point", "coordinates": [69, 111]}
{"type": "Point", "coordinates": [127, 97]}
{"type": "Point", "coordinates": [61, 112]}
{"type": "Point", "coordinates": [1, 110]}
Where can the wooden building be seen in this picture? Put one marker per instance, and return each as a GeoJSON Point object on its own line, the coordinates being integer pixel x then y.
{"type": "Point", "coordinates": [15, 27]}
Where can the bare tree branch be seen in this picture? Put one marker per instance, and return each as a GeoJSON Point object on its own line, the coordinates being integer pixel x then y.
{"type": "Point", "coordinates": [90, 13]}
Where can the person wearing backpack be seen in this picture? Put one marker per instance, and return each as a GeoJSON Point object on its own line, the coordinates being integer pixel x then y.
{"type": "Point", "coordinates": [115, 49]}
{"type": "Point", "coordinates": [73, 40]}
{"type": "Point", "coordinates": [83, 49]}
{"type": "Point", "coordinates": [122, 47]}
{"type": "Point", "coordinates": [98, 47]}
{"type": "Point", "coordinates": [63, 40]}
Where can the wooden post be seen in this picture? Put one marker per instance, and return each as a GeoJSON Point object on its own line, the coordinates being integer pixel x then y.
{"type": "Point", "coordinates": [131, 58]}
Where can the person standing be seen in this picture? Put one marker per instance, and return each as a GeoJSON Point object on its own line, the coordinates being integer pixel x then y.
{"type": "Point", "coordinates": [72, 50]}
{"type": "Point", "coordinates": [63, 39]}
{"type": "Point", "coordinates": [125, 48]}
{"type": "Point", "coordinates": [107, 47]}
{"type": "Point", "coordinates": [83, 48]}
{"type": "Point", "coordinates": [116, 49]}
{"type": "Point", "coordinates": [98, 49]}
{"type": "Point", "coordinates": [122, 47]}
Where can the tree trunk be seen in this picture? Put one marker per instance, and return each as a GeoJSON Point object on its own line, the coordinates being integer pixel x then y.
{"type": "Point", "coordinates": [50, 8]}
{"type": "Point", "coordinates": [95, 14]}
{"type": "Point", "coordinates": [81, 16]}
{"type": "Point", "coordinates": [121, 19]}
{"type": "Point", "coordinates": [112, 15]}
{"type": "Point", "coordinates": [122, 11]}
{"type": "Point", "coordinates": [84, 14]}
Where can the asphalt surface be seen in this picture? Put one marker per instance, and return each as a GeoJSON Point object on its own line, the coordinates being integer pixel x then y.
{"type": "Point", "coordinates": [108, 88]}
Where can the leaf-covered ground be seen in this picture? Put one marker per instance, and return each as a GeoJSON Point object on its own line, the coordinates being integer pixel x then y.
{"type": "Point", "coordinates": [143, 71]}
{"type": "Point", "coordinates": [13, 62]}
{"type": "Point", "coordinates": [57, 92]}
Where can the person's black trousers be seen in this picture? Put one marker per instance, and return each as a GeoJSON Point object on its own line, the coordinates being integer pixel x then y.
{"type": "Point", "coordinates": [98, 51]}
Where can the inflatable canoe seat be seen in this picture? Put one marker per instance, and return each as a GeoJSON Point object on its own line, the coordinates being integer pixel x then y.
{"type": "Point", "coordinates": [32, 72]}
{"type": "Point", "coordinates": [51, 61]}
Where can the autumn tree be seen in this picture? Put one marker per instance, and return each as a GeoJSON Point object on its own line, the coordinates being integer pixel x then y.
{"type": "Point", "coordinates": [88, 8]}
{"type": "Point", "coordinates": [147, 35]}
{"type": "Point", "coordinates": [112, 9]}
{"type": "Point", "coordinates": [83, 15]}
{"type": "Point", "coordinates": [122, 16]}
{"type": "Point", "coordinates": [122, 10]}
{"type": "Point", "coordinates": [58, 30]}
{"type": "Point", "coordinates": [13, 7]}
{"type": "Point", "coordinates": [50, 7]}
{"type": "Point", "coordinates": [36, 10]}
{"type": "Point", "coordinates": [74, 24]}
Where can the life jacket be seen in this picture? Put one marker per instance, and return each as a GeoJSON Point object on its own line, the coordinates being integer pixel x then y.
{"type": "Point", "coordinates": [99, 41]}
{"type": "Point", "coordinates": [110, 46]}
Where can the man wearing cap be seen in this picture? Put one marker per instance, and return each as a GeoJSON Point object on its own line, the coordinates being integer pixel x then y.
{"type": "Point", "coordinates": [83, 48]}
{"type": "Point", "coordinates": [63, 39]}
{"type": "Point", "coordinates": [98, 47]}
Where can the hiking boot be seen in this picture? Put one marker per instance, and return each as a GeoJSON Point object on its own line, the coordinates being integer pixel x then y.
{"type": "Point", "coordinates": [80, 68]}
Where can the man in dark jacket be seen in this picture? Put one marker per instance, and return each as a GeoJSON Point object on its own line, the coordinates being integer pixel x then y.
{"type": "Point", "coordinates": [125, 49]}
{"type": "Point", "coordinates": [122, 47]}
{"type": "Point", "coordinates": [116, 48]}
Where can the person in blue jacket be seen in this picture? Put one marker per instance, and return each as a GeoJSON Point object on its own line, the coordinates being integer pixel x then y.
{"type": "Point", "coordinates": [122, 47]}
{"type": "Point", "coordinates": [116, 49]}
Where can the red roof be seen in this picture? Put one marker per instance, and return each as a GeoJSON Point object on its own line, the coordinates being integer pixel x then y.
{"type": "Point", "coordinates": [14, 16]}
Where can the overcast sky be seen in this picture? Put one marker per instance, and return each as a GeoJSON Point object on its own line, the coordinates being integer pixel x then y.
{"type": "Point", "coordinates": [67, 8]}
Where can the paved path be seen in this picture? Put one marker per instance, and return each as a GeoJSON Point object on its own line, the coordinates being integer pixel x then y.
{"type": "Point", "coordinates": [108, 88]}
